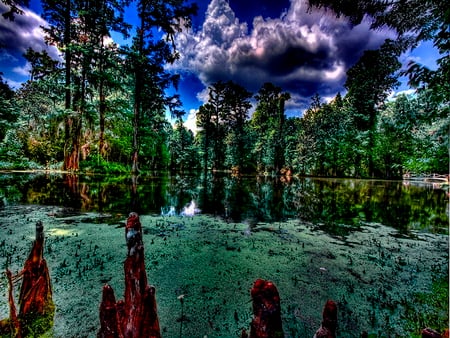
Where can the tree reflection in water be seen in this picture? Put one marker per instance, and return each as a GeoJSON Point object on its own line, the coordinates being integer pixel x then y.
{"type": "Point", "coordinates": [337, 206]}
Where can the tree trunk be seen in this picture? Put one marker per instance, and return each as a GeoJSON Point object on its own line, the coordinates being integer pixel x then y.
{"type": "Point", "coordinates": [137, 101]}
{"type": "Point", "coordinates": [136, 316]}
{"type": "Point", "coordinates": [102, 105]}
{"type": "Point", "coordinates": [68, 75]}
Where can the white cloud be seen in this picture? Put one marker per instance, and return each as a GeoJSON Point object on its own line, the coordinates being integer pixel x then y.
{"type": "Point", "coordinates": [304, 51]}
{"type": "Point", "coordinates": [24, 71]}
{"type": "Point", "coordinates": [12, 83]}
{"type": "Point", "coordinates": [191, 121]}
{"type": "Point", "coordinates": [23, 33]}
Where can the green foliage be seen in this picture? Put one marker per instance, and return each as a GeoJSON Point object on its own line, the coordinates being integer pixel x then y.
{"type": "Point", "coordinates": [8, 111]}
{"type": "Point", "coordinates": [12, 155]}
{"type": "Point", "coordinates": [182, 148]}
{"type": "Point", "coordinates": [98, 165]}
{"type": "Point", "coordinates": [106, 104]}
{"type": "Point", "coordinates": [429, 309]}
{"type": "Point", "coordinates": [268, 123]}
{"type": "Point", "coordinates": [224, 127]}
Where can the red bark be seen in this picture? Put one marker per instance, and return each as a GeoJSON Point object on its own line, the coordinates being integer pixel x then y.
{"type": "Point", "coordinates": [36, 290]}
{"type": "Point", "coordinates": [329, 321]}
{"type": "Point", "coordinates": [266, 321]}
{"type": "Point", "coordinates": [430, 333]}
{"type": "Point", "coordinates": [109, 327]}
{"type": "Point", "coordinates": [136, 316]}
{"type": "Point", "coordinates": [35, 299]}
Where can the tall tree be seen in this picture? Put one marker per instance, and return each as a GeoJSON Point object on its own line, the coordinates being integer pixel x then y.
{"type": "Point", "coordinates": [211, 119]}
{"type": "Point", "coordinates": [7, 112]}
{"type": "Point", "coordinates": [237, 101]}
{"type": "Point", "coordinates": [268, 122]}
{"type": "Point", "coordinates": [61, 17]}
{"type": "Point", "coordinates": [148, 55]}
{"type": "Point", "coordinates": [369, 83]}
{"type": "Point", "coordinates": [100, 18]}
{"type": "Point", "coordinates": [182, 148]}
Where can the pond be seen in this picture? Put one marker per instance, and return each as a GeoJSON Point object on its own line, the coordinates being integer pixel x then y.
{"type": "Point", "coordinates": [378, 248]}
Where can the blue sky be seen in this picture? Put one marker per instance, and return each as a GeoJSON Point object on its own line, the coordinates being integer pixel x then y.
{"type": "Point", "coordinates": [249, 42]}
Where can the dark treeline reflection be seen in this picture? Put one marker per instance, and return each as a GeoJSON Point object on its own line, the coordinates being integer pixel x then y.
{"type": "Point", "coordinates": [336, 206]}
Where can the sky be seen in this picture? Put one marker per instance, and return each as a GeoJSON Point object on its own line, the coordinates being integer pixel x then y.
{"type": "Point", "coordinates": [249, 42]}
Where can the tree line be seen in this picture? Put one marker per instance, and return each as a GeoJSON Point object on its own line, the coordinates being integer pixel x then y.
{"type": "Point", "coordinates": [103, 107]}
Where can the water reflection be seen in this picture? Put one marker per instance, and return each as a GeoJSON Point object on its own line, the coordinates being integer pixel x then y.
{"type": "Point", "coordinates": [336, 206]}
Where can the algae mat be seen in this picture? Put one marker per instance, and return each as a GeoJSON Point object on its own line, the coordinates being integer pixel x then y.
{"type": "Point", "coordinates": [384, 282]}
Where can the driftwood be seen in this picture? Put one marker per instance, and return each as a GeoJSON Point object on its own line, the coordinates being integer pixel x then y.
{"type": "Point", "coordinates": [36, 307]}
{"type": "Point", "coordinates": [136, 315]}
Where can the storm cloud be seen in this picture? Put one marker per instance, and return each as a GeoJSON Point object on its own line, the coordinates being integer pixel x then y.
{"type": "Point", "coordinates": [303, 51]}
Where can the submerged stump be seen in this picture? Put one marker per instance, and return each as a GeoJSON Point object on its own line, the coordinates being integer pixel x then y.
{"type": "Point", "coordinates": [136, 315]}
{"type": "Point", "coordinates": [36, 307]}
{"type": "Point", "coordinates": [266, 321]}
{"type": "Point", "coordinates": [329, 321]}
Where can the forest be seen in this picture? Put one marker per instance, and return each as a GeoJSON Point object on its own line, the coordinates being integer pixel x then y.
{"type": "Point", "coordinates": [103, 108]}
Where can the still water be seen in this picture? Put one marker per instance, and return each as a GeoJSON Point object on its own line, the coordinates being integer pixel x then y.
{"type": "Point", "coordinates": [335, 205]}
{"type": "Point", "coordinates": [378, 248]}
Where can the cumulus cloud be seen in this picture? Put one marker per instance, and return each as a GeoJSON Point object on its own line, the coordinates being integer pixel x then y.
{"type": "Point", "coordinates": [304, 52]}
{"type": "Point", "coordinates": [191, 121]}
{"type": "Point", "coordinates": [19, 35]}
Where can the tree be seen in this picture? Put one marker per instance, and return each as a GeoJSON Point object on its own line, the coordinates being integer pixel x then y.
{"type": "Point", "coordinates": [60, 16]}
{"type": "Point", "coordinates": [100, 18]}
{"type": "Point", "coordinates": [268, 122]}
{"type": "Point", "coordinates": [147, 57]}
{"type": "Point", "coordinates": [211, 119]}
{"type": "Point", "coordinates": [237, 102]}
{"type": "Point", "coordinates": [182, 148]}
{"type": "Point", "coordinates": [13, 8]}
{"type": "Point", "coordinates": [414, 21]}
{"type": "Point", "coordinates": [369, 83]}
{"type": "Point", "coordinates": [223, 123]}
{"type": "Point", "coordinates": [8, 114]}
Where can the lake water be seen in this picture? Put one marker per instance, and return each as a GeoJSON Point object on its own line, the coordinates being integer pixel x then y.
{"type": "Point", "coordinates": [335, 205]}
{"type": "Point", "coordinates": [378, 248]}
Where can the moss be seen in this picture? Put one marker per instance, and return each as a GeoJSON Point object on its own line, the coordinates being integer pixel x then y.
{"type": "Point", "coordinates": [35, 325]}
{"type": "Point", "coordinates": [429, 309]}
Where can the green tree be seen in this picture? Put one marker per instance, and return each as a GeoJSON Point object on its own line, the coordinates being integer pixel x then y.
{"type": "Point", "coordinates": [268, 122]}
{"type": "Point", "coordinates": [369, 83]}
{"type": "Point", "coordinates": [210, 119]}
{"type": "Point", "coordinates": [8, 113]}
{"type": "Point", "coordinates": [183, 151]}
{"type": "Point", "coordinates": [147, 57]}
{"type": "Point", "coordinates": [61, 32]}
{"type": "Point", "coordinates": [237, 101]}
{"type": "Point", "coordinates": [102, 17]}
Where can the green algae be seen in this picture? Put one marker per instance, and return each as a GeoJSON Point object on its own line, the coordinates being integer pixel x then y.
{"type": "Point", "coordinates": [378, 278]}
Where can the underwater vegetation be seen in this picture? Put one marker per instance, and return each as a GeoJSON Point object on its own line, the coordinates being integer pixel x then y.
{"type": "Point", "coordinates": [381, 279]}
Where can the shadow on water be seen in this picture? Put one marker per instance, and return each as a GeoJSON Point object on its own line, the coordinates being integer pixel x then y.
{"type": "Point", "coordinates": [337, 206]}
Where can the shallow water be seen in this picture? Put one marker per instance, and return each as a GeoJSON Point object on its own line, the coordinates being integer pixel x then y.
{"type": "Point", "coordinates": [337, 206]}
{"type": "Point", "coordinates": [379, 249]}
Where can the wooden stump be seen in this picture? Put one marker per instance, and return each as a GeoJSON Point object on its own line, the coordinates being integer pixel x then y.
{"type": "Point", "coordinates": [266, 321]}
{"type": "Point", "coordinates": [136, 316]}
{"type": "Point", "coordinates": [36, 309]}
